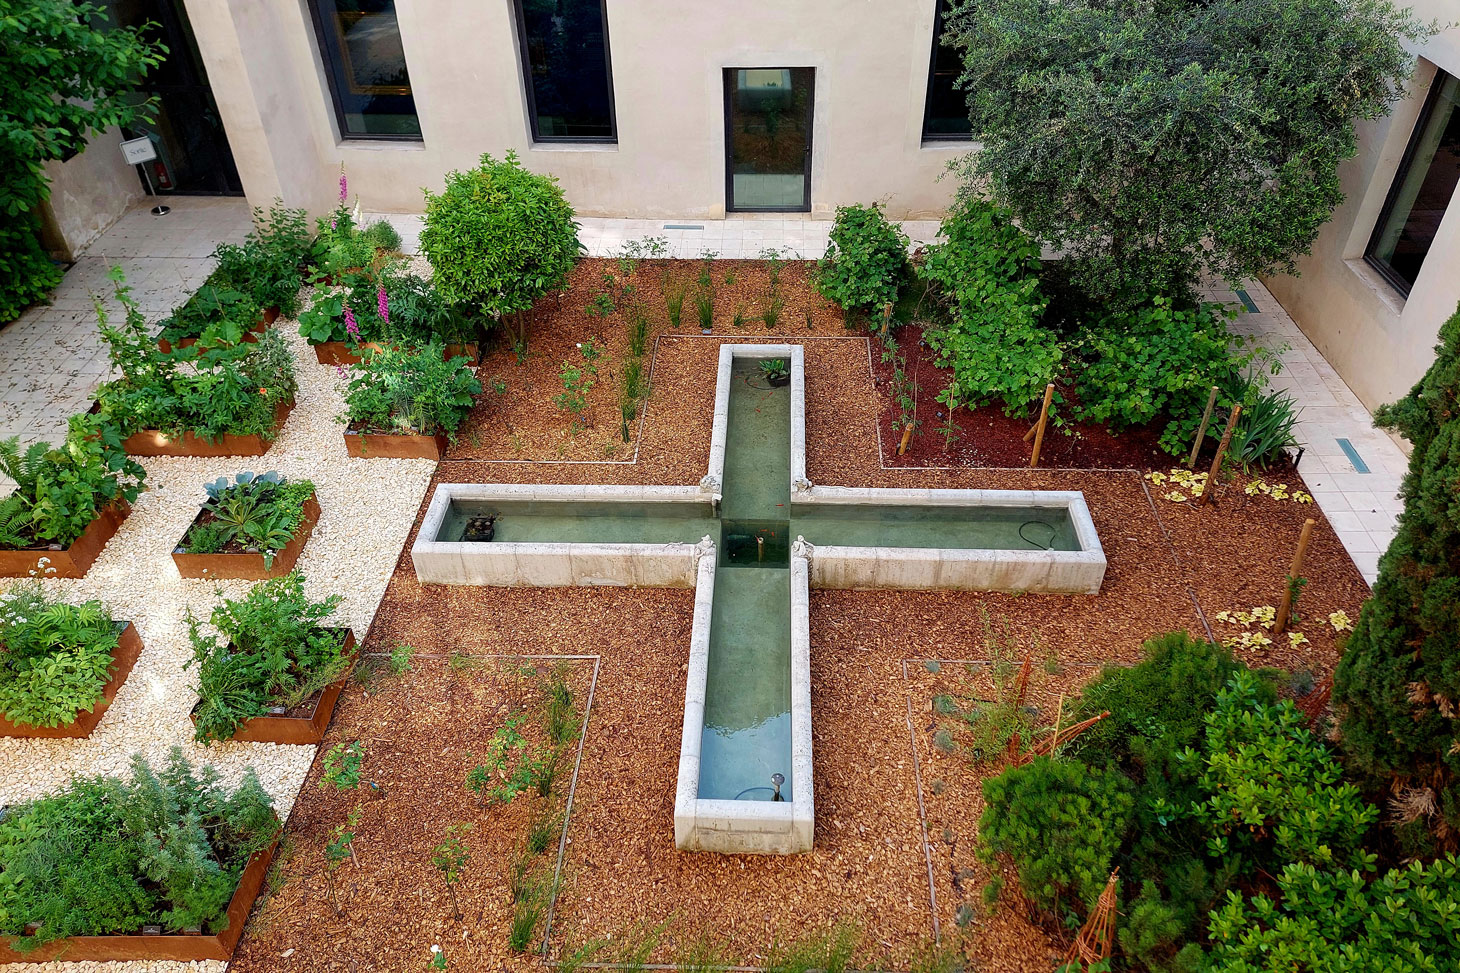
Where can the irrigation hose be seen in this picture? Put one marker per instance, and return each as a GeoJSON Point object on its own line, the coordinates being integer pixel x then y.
{"type": "Point", "coordinates": [1053, 532]}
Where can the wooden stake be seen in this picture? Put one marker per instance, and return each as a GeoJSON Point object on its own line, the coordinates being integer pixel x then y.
{"type": "Point", "coordinates": [906, 436]}
{"type": "Point", "coordinates": [1294, 572]}
{"type": "Point", "coordinates": [1039, 429]}
{"type": "Point", "coordinates": [1206, 488]}
{"type": "Point", "coordinates": [1201, 432]}
{"type": "Point", "coordinates": [886, 317]}
{"type": "Point", "coordinates": [1059, 717]}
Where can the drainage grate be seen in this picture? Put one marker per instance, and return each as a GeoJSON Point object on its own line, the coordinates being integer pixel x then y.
{"type": "Point", "coordinates": [1246, 301]}
{"type": "Point", "coordinates": [1353, 456]}
{"type": "Point", "coordinates": [683, 226]}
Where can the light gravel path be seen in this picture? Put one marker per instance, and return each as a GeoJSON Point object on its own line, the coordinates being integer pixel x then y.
{"type": "Point", "coordinates": [367, 505]}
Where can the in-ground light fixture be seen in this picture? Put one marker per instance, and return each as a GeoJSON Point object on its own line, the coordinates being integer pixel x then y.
{"type": "Point", "coordinates": [778, 780]}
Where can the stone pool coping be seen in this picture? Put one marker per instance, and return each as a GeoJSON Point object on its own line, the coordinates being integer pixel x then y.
{"type": "Point", "coordinates": [746, 827]}
{"type": "Point", "coordinates": [714, 479]}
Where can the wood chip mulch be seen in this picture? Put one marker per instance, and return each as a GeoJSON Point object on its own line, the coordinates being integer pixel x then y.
{"type": "Point", "coordinates": [622, 874]}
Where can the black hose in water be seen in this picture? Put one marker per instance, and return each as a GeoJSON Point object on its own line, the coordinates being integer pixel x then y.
{"type": "Point", "coordinates": [749, 789]}
{"type": "Point", "coordinates": [1053, 533]}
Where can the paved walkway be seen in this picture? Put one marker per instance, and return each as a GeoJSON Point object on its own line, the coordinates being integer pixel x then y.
{"type": "Point", "coordinates": [55, 359]}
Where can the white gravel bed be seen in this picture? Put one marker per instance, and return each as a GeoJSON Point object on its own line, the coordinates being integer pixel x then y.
{"type": "Point", "coordinates": [367, 508]}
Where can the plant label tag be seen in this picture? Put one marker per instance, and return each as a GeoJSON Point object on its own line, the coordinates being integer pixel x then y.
{"type": "Point", "coordinates": [137, 151]}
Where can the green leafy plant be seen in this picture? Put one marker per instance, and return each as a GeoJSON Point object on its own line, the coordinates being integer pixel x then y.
{"type": "Point", "coordinates": [107, 855]}
{"type": "Point", "coordinates": [866, 261]}
{"type": "Point", "coordinates": [577, 380]}
{"type": "Point", "coordinates": [450, 858]}
{"type": "Point", "coordinates": [775, 369]}
{"type": "Point", "coordinates": [499, 237]}
{"type": "Point", "coordinates": [274, 651]}
{"type": "Point", "coordinates": [705, 305]}
{"type": "Point", "coordinates": [400, 659]}
{"type": "Point", "coordinates": [66, 81]}
{"type": "Point", "coordinates": [1266, 427]}
{"type": "Point", "coordinates": [59, 491]}
{"type": "Point", "coordinates": [57, 657]}
{"type": "Point", "coordinates": [674, 302]}
{"type": "Point", "coordinates": [341, 765]}
{"type": "Point", "coordinates": [411, 392]}
{"type": "Point", "coordinates": [257, 512]}
{"type": "Point", "coordinates": [339, 847]}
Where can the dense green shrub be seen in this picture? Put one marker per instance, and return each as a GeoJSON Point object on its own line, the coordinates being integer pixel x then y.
{"type": "Point", "coordinates": [499, 237]}
{"type": "Point", "coordinates": [64, 82]}
{"type": "Point", "coordinates": [1062, 823]}
{"type": "Point", "coordinates": [226, 389]}
{"type": "Point", "coordinates": [108, 855]}
{"type": "Point", "coordinates": [1397, 686]}
{"type": "Point", "coordinates": [57, 657]}
{"type": "Point", "coordinates": [256, 513]}
{"type": "Point", "coordinates": [59, 491]}
{"type": "Point", "coordinates": [274, 651]}
{"type": "Point", "coordinates": [986, 274]}
{"type": "Point", "coordinates": [407, 392]}
{"type": "Point", "coordinates": [866, 261]}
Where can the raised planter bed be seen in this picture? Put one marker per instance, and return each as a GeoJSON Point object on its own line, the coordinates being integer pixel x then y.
{"type": "Point", "coordinates": [151, 442]}
{"type": "Point", "coordinates": [73, 561]}
{"type": "Point", "coordinates": [124, 657]}
{"type": "Point", "coordinates": [369, 445]}
{"type": "Point", "coordinates": [251, 336]}
{"type": "Point", "coordinates": [249, 566]}
{"type": "Point", "coordinates": [137, 946]}
{"type": "Point", "coordinates": [305, 728]}
{"type": "Point", "coordinates": [343, 353]}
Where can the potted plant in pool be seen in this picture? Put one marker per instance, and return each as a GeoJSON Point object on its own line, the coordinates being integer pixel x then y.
{"type": "Point", "coordinates": [162, 866]}
{"type": "Point", "coordinates": [68, 500]}
{"type": "Point", "coordinates": [203, 401]}
{"type": "Point", "coordinates": [403, 403]}
{"type": "Point", "coordinates": [251, 285]}
{"type": "Point", "coordinates": [60, 665]}
{"type": "Point", "coordinates": [251, 526]}
{"type": "Point", "coordinates": [274, 671]}
{"type": "Point", "coordinates": [776, 371]}
{"type": "Point", "coordinates": [392, 308]}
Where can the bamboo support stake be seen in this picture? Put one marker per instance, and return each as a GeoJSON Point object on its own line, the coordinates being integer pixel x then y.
{"type": "Point", "coordinates": [1294, 572]}
{"type": "Point", "coordinates": [886, 318]}
{"type": "Point", "coordinates": [1206, 488]}
{"type": "Point", "coordinates": [1039, 429]}
{"type": "Point", "coordinates": [1206, 417]}
{"type": "Point", "coordinates": [907, 431]}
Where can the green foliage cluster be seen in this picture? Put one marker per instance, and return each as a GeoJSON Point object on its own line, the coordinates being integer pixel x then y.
{"type": "Point", "coordinates": [347, 254]}
{"type": "Point", "coordinates": [259, 513]}
{"type": "Point", "coordinates": [986, 276]}
{"type": "Point", "coordinates": [55, 658]}
{"type": "Point", "coordinates": [1397, 687]}
{"type": "Point", "coordinates": [1153, 141]}
{"type": "Point", "coordinates": [262, 272]}
{"type": "Point", "coordinates": [108, 855]}
{"type": "Point", "coordinates": [866, 261]}
{"type": "Point", "coordinates": [65, 80]}
{"type": "Point", "coordinates": [416, 312]}
{"type": "Point", "coordinates": [59, 491]}
{"type": "Point", "coordinates": [274, 651]}
{"type": "Point", "coordinates": [512, 766]}
{"type": "Point", "coordinates": [499, 237]}
{"type": "Point", "coordinates": [207, 391]}
{"type": "Point", "coordinates": [411, 392]}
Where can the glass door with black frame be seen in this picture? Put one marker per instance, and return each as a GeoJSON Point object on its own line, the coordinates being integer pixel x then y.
{"type": "Point", "coordinates": [768, 139]}
{"type": "Point", "coordinates": [193, 156]}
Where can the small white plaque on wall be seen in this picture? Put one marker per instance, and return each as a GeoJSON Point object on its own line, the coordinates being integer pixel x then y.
{"type": "Point", "coordinates": [138, 151]}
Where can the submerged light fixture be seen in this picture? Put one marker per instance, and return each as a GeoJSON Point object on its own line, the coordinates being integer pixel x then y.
{"type": "Point", "coordinates": [778, 780]}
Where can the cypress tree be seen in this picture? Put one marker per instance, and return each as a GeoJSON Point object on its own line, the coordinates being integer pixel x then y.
{"type": "Point", "coordinates": [1397, 687]}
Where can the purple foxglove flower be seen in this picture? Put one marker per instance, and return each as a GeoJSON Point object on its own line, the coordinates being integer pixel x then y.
{"type": "Point", "coordinates": [351, 328]}
{"type": "Point", "coordinates": [344, 186]}
{"type": "Point", "coordinates": [382, 304]}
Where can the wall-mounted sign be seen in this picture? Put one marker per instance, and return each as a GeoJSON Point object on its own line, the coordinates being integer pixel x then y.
{"type": "Point", "coordinates": [138, 151]}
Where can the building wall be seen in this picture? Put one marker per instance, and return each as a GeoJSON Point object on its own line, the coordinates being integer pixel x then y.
{"type": "Point", "coordinates": [89, 192]}
{"type": "Point", "coordinates": [1379, 341]}
{"type": "Point", "coordinates": [871, 58]}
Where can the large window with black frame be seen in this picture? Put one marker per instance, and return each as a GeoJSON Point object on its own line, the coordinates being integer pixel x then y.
{"type": "Point", "coordinates": [568, 74]}
{"type": "Point", "coordinates": [1422, 189]}
{"type": "Point", "coordinates": [365, 60]}
{"type": "Point", "coordinates": [945, 114]}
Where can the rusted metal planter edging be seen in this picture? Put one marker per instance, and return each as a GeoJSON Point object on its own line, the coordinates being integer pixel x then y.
{"type": "Point", "coordinates": [298, 730]}
{"type": "Point", "coordinates": [124, 657]}
{"type": "Point", "coordinates": [73, 561]}
{"type": "Point", "coordinates": [151, 442]}
{"type": "Point", "coordinates": [250, 566]}
{"type": "Point", "coordinates": [366, 445]}
{"type": "Point", "coordinates": [182, 948]}
{"type": "Point", "coordinates": [344, 352]}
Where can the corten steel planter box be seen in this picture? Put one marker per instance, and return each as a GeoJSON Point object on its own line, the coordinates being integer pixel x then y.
{"type": "Point", "coordinates": [249, 567]}
{"type": "Point", "coordinates": [73, 561]}
{"type": "Point", "coordinates": [297, 729]}
{"type": "Point", "coordinates": [251, 336]}
{"type": "Point", "coordinates": [124, 656]}
{"type": "Point", "coordinates": [151, 442]}
{"type": "Point", "coordinates": [134, 946]}
{"type": "Point", "coordinates": [343, 353]}
{"type": "Point", "coordinates": [367, 445]}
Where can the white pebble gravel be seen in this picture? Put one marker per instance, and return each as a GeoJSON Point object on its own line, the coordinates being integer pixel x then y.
{"type": "Point", "coordinates": [367, 508]}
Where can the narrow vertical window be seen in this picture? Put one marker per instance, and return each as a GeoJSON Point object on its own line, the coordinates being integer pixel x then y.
{"type": "Point", "coordinates": [569, 76]}
{"type": "Point", "coordinates": [1422, 189]}
{"type": "Point", "coordinates": [945, 115]}
{"type": "Point", "coordinates": [359, 41]}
